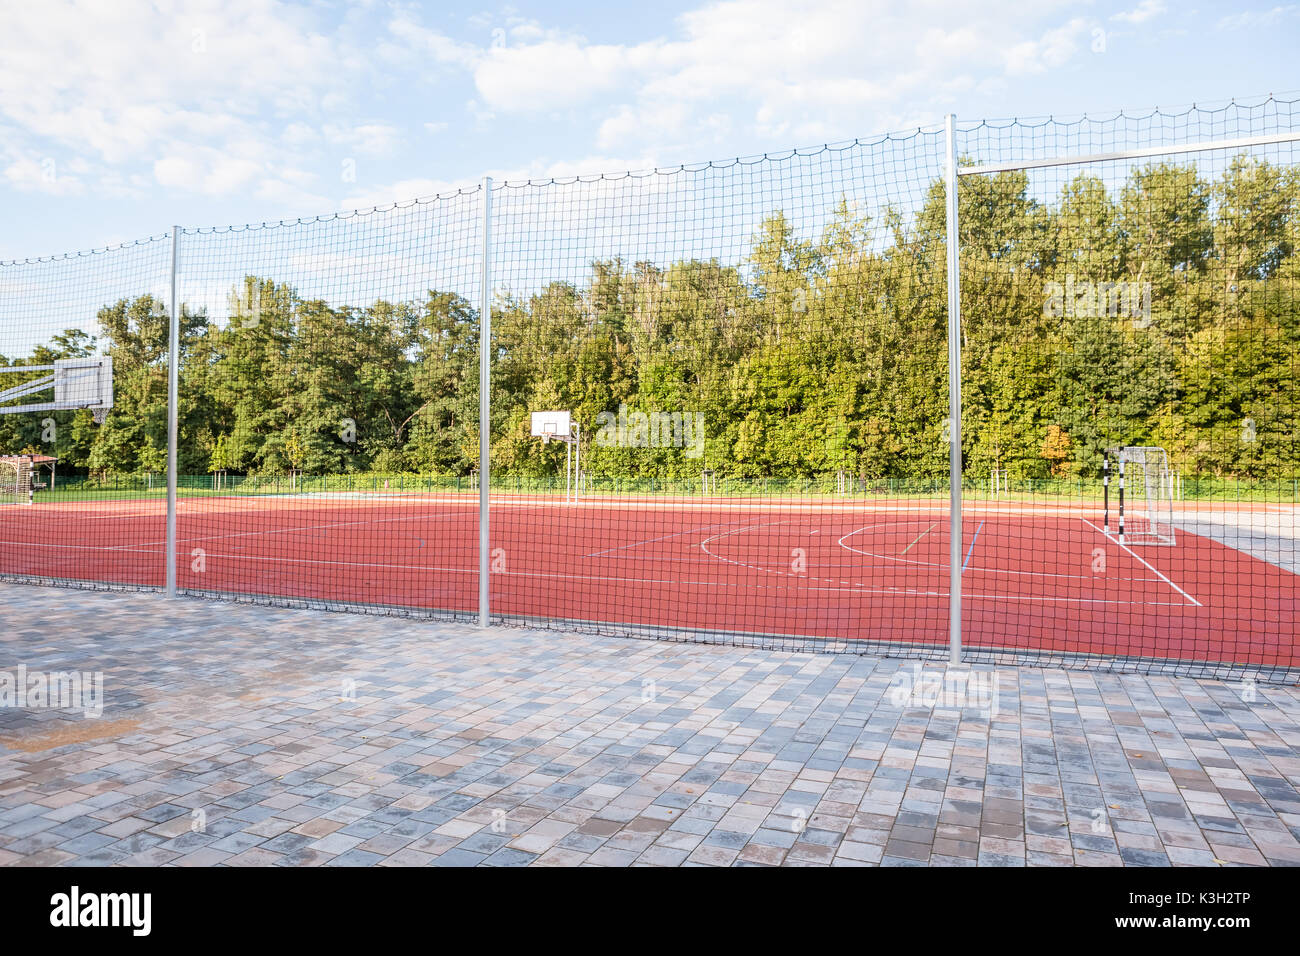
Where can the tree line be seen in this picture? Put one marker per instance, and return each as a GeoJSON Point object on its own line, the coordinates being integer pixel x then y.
{"type": "Point", "coordinates": [1161, 312]}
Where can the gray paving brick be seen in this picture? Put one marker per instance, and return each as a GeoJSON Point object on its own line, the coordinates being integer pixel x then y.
{"type": "Point", "coordinates": [823, 771]}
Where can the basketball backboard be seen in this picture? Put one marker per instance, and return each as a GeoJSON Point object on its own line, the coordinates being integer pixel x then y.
{"type": "Point", "coordinates": [77, 383]}
{"type": "Point", "coordinates": [550, 425]}
{"type": "Point", "coordinates": [84, 382]}
{"type": "Point", "coordinates": [560, 426]}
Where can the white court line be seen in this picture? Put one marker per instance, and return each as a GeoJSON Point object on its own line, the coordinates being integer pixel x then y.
{"type": "Point", "coordinates": [727, 534]}
{"type": "Point", "coordinates": [139, 547]}
{"type": "Point", "coordinates": [308, 527]}
{"type": "Point", "coordinates": [1143, 560]}
{"type": "Point", "coordinates": [46, 514]}
{"type": "Point", "coordinates": [675, 534]}
{"type": "Point", "coordinates": [796, 583]}
{"type": "Point", "coordinates": [935, 564]}
{"type": "Point", "coordinates": [859, 589]}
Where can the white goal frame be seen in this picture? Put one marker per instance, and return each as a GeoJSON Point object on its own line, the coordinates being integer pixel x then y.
{"type": "Point", "coordinates": [1146, 491]}
{"type": "Point", "coordinates": [15, 481]}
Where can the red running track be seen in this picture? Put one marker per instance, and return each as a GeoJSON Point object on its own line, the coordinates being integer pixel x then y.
{"type": "Point", "coordinates": [1040, 582]}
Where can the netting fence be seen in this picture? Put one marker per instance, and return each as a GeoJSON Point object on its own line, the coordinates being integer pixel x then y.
{"type": "Point", "coordinates": [766, 384]}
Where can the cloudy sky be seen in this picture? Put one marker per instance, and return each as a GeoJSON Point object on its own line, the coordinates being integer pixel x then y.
{"type": "Point", "coordinates": [118, 119]}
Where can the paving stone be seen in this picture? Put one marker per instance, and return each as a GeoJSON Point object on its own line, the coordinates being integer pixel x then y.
{"type": "Point", "coordinates": [751, 756]}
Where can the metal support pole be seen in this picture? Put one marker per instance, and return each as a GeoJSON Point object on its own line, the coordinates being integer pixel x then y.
{"type": "Point", "coordinates": [484, 405]}
{"type": "Point", "coordinates": [954, 399]}
{"type": "Point", "coordinates": [577, 462]}
{"type": "Point", "coordinates": [568, 469]}
{"type": "Point", "coordinates": [1105, 495]}
{"type": "Point", "coordinates": [1121, 498]}
{"type": "Point", "coordinates": [173, 395]}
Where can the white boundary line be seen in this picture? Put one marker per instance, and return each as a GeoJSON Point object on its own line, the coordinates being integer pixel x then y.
{"type": "Point", "coordinates": [313, 527]}
{"type": "Point", "coordinates": [147, 548]}
{"type": "Point", "coordinates": [796, 583]}
{"type": "Point", "coordinates": [923, 592]}
{"type": "Point", "coordinates": [1162, 577]}
{"type": "Point", "coordinates": [938, 564]}
{"type": "Point", "coordinates": [663, 537]}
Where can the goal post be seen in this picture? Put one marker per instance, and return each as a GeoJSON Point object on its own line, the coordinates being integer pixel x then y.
{"type": "Point", "coordinates": [1144, 494]}
{"type": "Point", "coordinates": [15, 480]}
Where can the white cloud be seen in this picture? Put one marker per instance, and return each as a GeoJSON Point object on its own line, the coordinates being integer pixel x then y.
{"type": "Point", "coordinates": [366, 138]}
{"type": "Point", "coordinates": [265, 98]}
{"type": "Point", "coordinates": [1257, 18]}
{"type": "Point", "coordinates": [557, 73]}
{"type": "Point", "coordinates": [42, 175]}
{"type": "Point", "coordinates": [1053, 49]}
{"type": "Point", "coordinates": [300, 134]}
{"type": "Point", "coordinates": [1143, 12]}
{"type": "Point", "coordinates": [805, 69]}
{"type": "Point", "coordinates": [411, 35]}
{"type": "Point", "coordinates": [177, 171]}
{"type": "Point", "coordinates": [195, 105]}
{"type": "Point", "coordinates": [206, 171]}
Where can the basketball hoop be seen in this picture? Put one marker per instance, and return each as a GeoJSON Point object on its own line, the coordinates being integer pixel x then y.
{"type": "Point", "coordinates": [100, 415]}
{"type": "Point", "coordinates": [560, 426]}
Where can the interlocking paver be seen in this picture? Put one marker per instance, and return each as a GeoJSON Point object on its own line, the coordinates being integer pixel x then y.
{"type": "Point", "coordinates": [537, 748]}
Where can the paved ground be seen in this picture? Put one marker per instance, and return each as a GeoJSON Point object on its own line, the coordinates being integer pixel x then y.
{"type": "Point", "coordinates": [243, 735]}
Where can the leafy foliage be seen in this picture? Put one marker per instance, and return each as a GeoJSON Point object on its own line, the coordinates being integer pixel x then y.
{"type": "Point", "coordinates": [813, 355]}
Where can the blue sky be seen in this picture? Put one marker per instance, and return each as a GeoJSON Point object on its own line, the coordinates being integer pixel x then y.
{"type": "Point", "coordinates": [117, 120]}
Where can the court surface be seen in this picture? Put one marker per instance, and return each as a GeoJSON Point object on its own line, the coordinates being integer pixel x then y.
{"type": "Point", "coordinates": [1038, 580]}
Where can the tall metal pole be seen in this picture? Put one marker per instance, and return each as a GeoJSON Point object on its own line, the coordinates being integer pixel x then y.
{"type": "Point", "coordinates": [484, 406]}
{"type": "Point", "coordinates": [1105, 494]}
{"type": "Point", "coordinates": [173, 393]}
{"type": "Point", "coordinates": [954, 399]}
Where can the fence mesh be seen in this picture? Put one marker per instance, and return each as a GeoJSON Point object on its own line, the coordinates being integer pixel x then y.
{"type": "Point", "coordinates": [329, 409]}
{"type": "Point", "coordinates": [754, 355]}
{"type": "Point", "coordinates": [108, 527]}
{"type": "Point", "coordinates": [752, 351]}
{"type": "Point", "coordinates": [1140, 309]}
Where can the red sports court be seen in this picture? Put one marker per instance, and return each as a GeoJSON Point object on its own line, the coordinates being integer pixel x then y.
{"type": "Point", "coordinates": [1045, 580]}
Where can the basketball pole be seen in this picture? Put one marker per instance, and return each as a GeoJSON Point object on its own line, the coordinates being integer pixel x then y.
{"type": "Point", "coordinates": [173, 392]}
{"type": "Point", "coordinates": [484, 405]}
{"type": "Point", "coordinates": [954, 398]}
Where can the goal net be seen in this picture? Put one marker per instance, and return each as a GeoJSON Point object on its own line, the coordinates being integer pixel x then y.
{"type": "Point", "coordinates": [15, 481]}
{"type": "Point", "coordinates": [1146, 503]}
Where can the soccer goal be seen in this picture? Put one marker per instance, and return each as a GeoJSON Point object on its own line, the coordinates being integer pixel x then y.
{"type": "Point", "coordinates": [15, 480]}
{"type": "Point", "coordinates": [1145, 486]}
